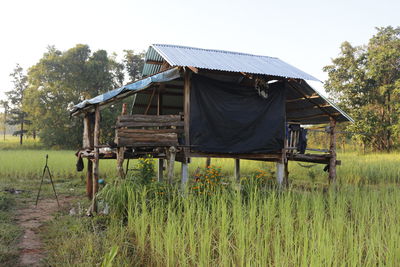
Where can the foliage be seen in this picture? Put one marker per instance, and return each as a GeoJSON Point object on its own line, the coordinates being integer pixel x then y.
{"type": "Point", "coordinates": [144, 171]}
{"type": "Point", "coordinates": [134, 64]}
{"type": "Point", "coordinates": [208, 181]}
{"type": "Point", "coordinates": [366, 82]}
{"type": "Point", "coordinates": [16, 114]}
{"type": "Point", "coordinates": [61, 79]}
{"type": "Point", "coordinates": [9, 231]}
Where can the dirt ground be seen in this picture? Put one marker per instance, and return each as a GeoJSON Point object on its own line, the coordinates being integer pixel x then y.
{"type": "Point", "coordinates": [30, 219]}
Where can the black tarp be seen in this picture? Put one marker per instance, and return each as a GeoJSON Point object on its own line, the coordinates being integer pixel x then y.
{"type": "Point", "coordinates": [231, 118]}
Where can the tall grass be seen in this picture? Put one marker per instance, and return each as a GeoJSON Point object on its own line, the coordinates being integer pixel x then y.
{"type": "Point", "coordinates": [355, 226]}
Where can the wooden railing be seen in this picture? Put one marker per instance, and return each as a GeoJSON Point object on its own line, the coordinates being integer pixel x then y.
{"type": "Point", "coordinates": [148, 130]}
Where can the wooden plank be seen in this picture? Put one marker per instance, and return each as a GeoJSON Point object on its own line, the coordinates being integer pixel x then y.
{"type": "Point", "coordinates": [150, 137]}
{"type": "Point", "coordinates": [271, 156]}
{"type": "Point", "coordinates": [130, 143]}
{"type": "Point", "coordinates": [150, 124]}
{"type": "Point", "coordinates": [149, 131]}
{"type": "Point", "coordinates": [150, 118]}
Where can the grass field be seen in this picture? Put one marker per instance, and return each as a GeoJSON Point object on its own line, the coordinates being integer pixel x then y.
{"type": "Point", "coordinates": [352, 225]}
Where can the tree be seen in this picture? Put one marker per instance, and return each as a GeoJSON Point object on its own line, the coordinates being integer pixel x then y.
{"type": "Point", "coordinates": [366, 82]}
{"type": "Point", "coordinates": [4, 104]}
{"type": "Point", "coordinates": [17, 116]}
{"type": "Point", "coordinates": [60, 80]}
{"type": "Point", "coordinates": [134, 64]}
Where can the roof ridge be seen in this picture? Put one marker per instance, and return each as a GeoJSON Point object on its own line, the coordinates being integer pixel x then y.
{"type": "Point", "coordinates": [212, 50]}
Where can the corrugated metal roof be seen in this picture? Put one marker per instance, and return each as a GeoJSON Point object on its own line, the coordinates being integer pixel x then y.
{"type": "Point", "coordinates": [221, 60]}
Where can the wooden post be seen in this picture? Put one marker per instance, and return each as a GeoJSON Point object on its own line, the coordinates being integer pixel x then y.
{"type": "Point", "coordinates": [280, 173]}
{"type": "Point", "coordinates": [160, 170]}
{"type": "Point", "coordinates": [286, 174]}
{"type": "Point", "coordinates": [121, 151]}
{"type": "Point", "coordinates": [237, 170]}
{"type": "Point", "coordinates": [96, 160]}
{"type": "Point", "coordinates": [186, 109]}
{"type": "Point", "coordinates": [185, 174]}
{"type": "Point", "coordinates": [88, 144]}
{"type": "Point", "coordinates": [208, 162]}
{"type": "Point", "coordinates": [171, 162]}
{"type": "Point", "coordinates": [332, 151]}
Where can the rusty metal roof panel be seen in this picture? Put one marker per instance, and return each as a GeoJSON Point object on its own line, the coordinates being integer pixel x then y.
{"type": "Point", "coordinates": [223, 61]}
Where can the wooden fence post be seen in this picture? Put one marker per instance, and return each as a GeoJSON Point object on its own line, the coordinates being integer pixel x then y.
{"type": "Point", "coordinates": [160, 170]}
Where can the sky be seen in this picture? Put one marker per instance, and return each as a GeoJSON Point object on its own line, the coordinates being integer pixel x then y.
{"type": "Point", "coordinates": [306, 34]}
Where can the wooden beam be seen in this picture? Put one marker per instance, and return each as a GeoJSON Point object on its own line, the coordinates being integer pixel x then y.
{"type": "Point", "coordinates": [314, 116]}
{"type": "Point", "coordinates": [302, 98]}
{"type": "Point", "coordinates": [154, 62]}
{"type": "Point", "coordinates": [155, 106]}
{"type": "Point", "coordinates": [308, 98]}
{"type": "Point", "coordinates": [306, 108]}
{"type": "Point", "coordinates": [150, 101]}
{"type": "Point", "coordinates": [194, 69]}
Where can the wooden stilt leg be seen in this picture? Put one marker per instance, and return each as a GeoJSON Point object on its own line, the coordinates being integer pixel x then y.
{"type": "Point", "coordinates": [96, 160]}
{"type": "Point", "coordinates": [208, 162]}
{"type": "Point", "coordinates": [160, 170]}
{"type": "Point", "coordinates": [185, 174]}
{"type": "Point", "coordinates": [237, 170]}
{"type": "Point", "coordinates": [89, 181]}
{"type": "Point", "coordinates": [280, 172]}
{"type": "Point", "coordinates": [286, 174]}
{"type": "Point", "coordinates": [171, 162]}
{"type": "Point", "coordinates": [332, 151]}
{"type": "Point", "coordinates": [120, 162]}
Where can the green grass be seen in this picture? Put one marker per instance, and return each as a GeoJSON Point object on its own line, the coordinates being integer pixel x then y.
{"type": "Point", "coordinates": [305, 225]}
{"type": "Point", "coordinates": [9, 232]}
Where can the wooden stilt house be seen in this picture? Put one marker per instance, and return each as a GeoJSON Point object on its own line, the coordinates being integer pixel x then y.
{"type": "Point", "coordinates": [209, 103]}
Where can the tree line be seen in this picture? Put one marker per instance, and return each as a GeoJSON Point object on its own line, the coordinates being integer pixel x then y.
{"type": "Point", "coordinates": [364, 80]}
{"type": "Point", "coordinates": [42, 97]}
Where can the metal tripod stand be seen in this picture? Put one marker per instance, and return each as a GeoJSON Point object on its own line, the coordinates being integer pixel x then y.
{"type": "Point", "coordinates": [46, 167]}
